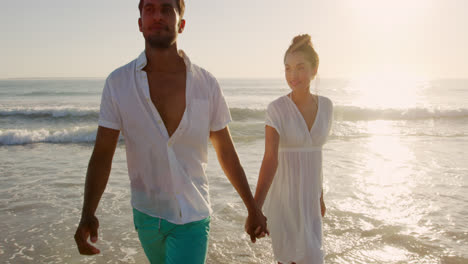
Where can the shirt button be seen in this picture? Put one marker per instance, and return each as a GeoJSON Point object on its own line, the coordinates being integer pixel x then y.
{"type": "Point", "coordinates": [159, 121]}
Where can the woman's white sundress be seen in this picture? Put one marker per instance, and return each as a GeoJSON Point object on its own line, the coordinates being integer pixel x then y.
{"type": "Point", "coordinates": [292, 205]}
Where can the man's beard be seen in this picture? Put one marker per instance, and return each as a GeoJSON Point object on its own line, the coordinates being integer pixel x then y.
{"type": "Point", "coordinates": [161, 42]}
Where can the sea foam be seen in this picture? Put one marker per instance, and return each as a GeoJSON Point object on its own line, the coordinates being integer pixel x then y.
{"type": "Point", "coordinates": [24, 136]}
{"type": "Point", "coordinates": [49, 112]}
{"type": "Point", "coordinates": [343, 113]}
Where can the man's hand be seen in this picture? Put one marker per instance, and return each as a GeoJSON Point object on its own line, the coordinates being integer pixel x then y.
{"type": "Point", "coordinates": [88, 227]}
{"type": "Point", "coordinates": [256, 225]}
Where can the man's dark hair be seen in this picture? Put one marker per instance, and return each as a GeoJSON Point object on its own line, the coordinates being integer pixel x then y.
{"type": "Point", "coordinates": [180, 7]}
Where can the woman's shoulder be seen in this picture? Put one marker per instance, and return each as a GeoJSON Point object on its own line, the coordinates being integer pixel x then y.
{"type": "Point", "coordinates": [326, 101]}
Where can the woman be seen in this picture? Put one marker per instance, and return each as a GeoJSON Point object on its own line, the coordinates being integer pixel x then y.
{"type": "Point", "coordinates": [297, 126]}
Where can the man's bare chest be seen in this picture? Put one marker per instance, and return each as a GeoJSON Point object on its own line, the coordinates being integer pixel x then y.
{"type": "Point", "coordinates": [169, 97]}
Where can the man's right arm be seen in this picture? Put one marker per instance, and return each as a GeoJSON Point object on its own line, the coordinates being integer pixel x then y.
{"type": "Point", "coordinates": [96, 180]}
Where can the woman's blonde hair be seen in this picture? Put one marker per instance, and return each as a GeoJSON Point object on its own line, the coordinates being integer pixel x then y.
{"type": "Point", "coordinates": [303, 43]}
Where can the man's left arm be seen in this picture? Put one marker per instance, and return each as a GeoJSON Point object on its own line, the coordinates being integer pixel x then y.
{"type": "Point", "coordinates": [229, 161]}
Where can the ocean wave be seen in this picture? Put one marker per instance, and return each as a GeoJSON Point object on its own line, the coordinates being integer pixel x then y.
{"type": "Point", "coordinates": [341, 113]}
{"type": "Point", "coordinates": [242, 114]}
{"type": "Point", "coordinates": [238, 114]}
{"type": "Point", "coordinates": [24, 136]}
{"type": "Point", "coordinates": [355, 113]}
{"type": "Point", "coordinates": [50, 112]}
{"type": "Point", "coordinates": [46, 93]}
{"type": "Point", "coordinates": [340, 136]}
{"type": "Point", "coordinates": [241, 132]}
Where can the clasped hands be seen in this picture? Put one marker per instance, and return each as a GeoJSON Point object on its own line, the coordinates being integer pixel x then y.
{"type": "Point", "coordinates": [256, 225]}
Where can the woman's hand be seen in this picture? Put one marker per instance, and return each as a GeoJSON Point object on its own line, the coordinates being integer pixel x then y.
{"type": "Point", "coordinates": [256, 225]}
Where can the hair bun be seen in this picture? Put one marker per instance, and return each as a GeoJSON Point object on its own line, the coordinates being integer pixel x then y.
{"type": "Point", "coordinates": [303, 43]}
{"type": "Point", "coordinates": [301, 40]}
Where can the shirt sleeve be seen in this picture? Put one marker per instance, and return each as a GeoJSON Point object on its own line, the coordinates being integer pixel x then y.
{"type": "Point", "coordinates": [220, 115]}
{"type": "Point", "coordinates": [272, 118]}
{"type": "Point", "coordinates": [109, 115]}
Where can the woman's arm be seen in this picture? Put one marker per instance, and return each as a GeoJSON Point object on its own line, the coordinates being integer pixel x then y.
{"type": "Point", "coordinates": [229, 161]}
{"type": "Point", "coordinates": [269, 165]}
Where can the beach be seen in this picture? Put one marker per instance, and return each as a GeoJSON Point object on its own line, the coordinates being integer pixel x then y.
{"type": "Point", "coordinates": [395, 172]}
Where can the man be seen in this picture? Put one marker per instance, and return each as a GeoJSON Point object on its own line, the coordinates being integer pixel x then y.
{"type": "Point", "coordinates": [166, 108]}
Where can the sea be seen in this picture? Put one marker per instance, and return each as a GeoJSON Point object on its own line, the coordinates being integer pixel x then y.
{"type": "Point", "coordinates": [395, 172]}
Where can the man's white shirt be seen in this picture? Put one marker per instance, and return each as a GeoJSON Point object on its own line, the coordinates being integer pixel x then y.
{"type": "Point", "coordinates": [167, 174]}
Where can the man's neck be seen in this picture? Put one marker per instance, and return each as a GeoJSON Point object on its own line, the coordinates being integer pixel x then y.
{"type": "Point", "coordinates": [163, 60]}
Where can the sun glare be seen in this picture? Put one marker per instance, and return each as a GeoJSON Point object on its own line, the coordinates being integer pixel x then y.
{"type": "Point", "coordinates": [387, 173]}
{"type": "Point", "coordinates": [386, 90]}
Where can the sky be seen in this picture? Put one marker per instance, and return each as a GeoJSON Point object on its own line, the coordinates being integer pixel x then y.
{"type": "Point", "coordinates": [241, 38]}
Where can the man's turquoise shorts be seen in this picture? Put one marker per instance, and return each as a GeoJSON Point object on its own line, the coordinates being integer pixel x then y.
{"type": "Point", "coordinates": [168, 243]}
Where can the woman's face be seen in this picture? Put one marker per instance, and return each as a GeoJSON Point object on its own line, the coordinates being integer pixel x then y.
{"type": "Point", "coordinates": [298, 71]}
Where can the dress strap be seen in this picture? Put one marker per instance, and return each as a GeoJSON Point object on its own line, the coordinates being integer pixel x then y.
{"type": "Point", "coordinates": [304, 149]}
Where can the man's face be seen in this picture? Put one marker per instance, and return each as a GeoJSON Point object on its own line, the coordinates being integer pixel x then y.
{"type": "Point", "coordinates": [160, 23]}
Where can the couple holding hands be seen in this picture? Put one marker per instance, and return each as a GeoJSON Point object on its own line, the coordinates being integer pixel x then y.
{"type": "Point", "coordinates": [167, 109]}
